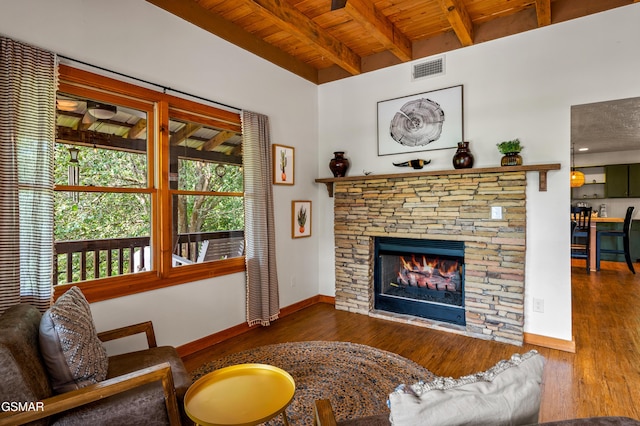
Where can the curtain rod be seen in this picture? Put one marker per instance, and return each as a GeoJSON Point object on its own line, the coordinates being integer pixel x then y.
{"type": "Point", "coordinates": [164, 88]}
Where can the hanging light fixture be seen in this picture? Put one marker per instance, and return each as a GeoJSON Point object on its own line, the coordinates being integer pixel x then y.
{"type": "Point", "coordinates": [101, 111]}
{"type": "Point", "coordinates": [66, 104]}
{"type": "Point", "coordinates": [577, 177]}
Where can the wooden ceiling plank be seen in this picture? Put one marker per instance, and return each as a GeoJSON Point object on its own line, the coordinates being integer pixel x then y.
{"type": "Point", "coordinates": [458, 17]}
{"type": "Point", "coordinates": [192, 12]}
{"type": "Point", "coordinates": [543, 12]}
{"type": "Point", "coordinates": [289, 19]}
{"type": "Point", "coordinates": [379, 27]}
{"type": "Point", "coordinates": [217, 140]}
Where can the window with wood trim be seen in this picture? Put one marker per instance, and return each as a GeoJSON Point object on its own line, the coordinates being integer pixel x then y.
{"type": "Point", "coordinates": [104, 188]}
{"type": "Point", "coordinates": [205, 169]}
{"type": "Point", "coordinates": [148, 188]}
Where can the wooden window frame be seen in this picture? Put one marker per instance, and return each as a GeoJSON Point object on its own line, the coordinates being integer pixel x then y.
{"type": "Point", "coordinates": [84, 83]}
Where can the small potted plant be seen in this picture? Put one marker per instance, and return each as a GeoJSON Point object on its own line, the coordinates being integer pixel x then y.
{"type": "Point", "coordinates": [511, 152]}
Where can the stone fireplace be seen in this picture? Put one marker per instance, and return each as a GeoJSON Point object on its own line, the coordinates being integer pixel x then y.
{"type": "Point", "coordinates": [441, 206]}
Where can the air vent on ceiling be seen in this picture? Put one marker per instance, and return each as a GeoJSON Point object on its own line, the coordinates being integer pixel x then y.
{"type": "Point", "coordinates": [429, 68]}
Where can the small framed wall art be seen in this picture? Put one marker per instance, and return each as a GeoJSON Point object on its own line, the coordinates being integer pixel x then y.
{"type": "Point", "coordinates": [300, 218]}
{"type": "Point", "coordinates": [423, 122]}
{"type": "Point", "coordinates": [283, 164]}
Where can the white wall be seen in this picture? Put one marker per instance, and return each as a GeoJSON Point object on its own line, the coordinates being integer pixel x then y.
{"type": "Point", "coordinates": [138, 39]}
{"type": "Point", "coordinates": [521, 86]}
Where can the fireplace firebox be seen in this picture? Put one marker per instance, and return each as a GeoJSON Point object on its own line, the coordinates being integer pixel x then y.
{"type": "Point", "coordinates": [420, 277]}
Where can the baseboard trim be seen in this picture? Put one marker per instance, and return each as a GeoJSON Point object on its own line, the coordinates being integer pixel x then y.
{"type": "Point", "coordinates": [212, 339]}
{"type": "Point", "coordinates": [326, 299]}
{"type": "Point", "coordinates": [550, 342]}
{"type": "Point", "coordinates": [207, 341]}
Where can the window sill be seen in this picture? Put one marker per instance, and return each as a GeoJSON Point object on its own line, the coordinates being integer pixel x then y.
{"type": "Point", "coordinates": [114, 287]}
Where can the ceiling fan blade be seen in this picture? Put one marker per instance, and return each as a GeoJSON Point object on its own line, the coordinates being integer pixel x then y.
{"type": "Point", "coordinates": [338, 4]}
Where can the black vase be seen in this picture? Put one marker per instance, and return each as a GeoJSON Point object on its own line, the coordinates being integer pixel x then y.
{"type": "Point", "coordinates": [339, 164]}
{"type": "Point", "coordinates": [463, 158]}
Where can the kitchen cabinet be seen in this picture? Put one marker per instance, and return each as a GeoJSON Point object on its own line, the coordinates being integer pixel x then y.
{"type": "Point", "coordinates": [622, 181]}
{"type": "Point", "coordinates": [634, 180]}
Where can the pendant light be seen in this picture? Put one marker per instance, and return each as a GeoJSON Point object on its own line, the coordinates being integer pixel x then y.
{"type": "Point", "coordinates": [577, 177]}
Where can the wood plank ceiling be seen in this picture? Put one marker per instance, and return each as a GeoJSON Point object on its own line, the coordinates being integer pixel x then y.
{"type": "Point", "coordinates": [327, 40]}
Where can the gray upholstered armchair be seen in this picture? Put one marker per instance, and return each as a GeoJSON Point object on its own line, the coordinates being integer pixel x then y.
{"type": "Point", "coordinates": [143, 387]}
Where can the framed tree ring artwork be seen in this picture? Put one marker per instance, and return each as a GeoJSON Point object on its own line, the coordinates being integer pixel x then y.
{"type": "Point", "coordinates": [283, 164]}
{"type": "Point", "coordinates": [300, 219]}
{"type": "Point", "coordinates": [423, 122]}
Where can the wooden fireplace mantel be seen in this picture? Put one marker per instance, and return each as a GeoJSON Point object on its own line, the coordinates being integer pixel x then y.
{"type": "Point", "coordinates": [542, 170]}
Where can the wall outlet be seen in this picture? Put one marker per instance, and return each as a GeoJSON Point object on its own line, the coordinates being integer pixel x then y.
{"type": "Point", "coordinates": [496, 212]}
{"type": "Point", "coordinates": [538, 305]}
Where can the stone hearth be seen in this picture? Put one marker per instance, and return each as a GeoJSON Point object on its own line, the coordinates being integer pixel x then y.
{"type": "Point", "coordinates": [455, 206]}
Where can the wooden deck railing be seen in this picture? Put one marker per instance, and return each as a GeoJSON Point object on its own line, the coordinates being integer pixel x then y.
{"type": "Point", "coordinates": [89, 259]}
{"type": "Point", "coordinates": [189, 244]}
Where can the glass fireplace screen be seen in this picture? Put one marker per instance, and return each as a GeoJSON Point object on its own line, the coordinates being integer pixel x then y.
{"type": "Point", "coordinates": [431, 278]}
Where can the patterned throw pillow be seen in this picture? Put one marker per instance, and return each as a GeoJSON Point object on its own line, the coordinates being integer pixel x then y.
{"type": "Point", "coordinates": [69, 344]}
{"type": "Point", "coordinates": [506, 394]}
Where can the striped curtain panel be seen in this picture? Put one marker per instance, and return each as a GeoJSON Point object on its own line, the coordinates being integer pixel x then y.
{"type": "Point", "coordinates": [263, 305]}
{"type": "Point", "coordinates": [28, 81]}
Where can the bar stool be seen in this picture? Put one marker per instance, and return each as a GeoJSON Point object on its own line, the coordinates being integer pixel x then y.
{"type": "Point", "coordinates": [581, 227]}
{"type": "Point", "coordinates": [624, 234]}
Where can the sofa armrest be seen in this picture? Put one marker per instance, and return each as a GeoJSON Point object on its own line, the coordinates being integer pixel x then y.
{"type": "Point", "coordinates": [118, 333]}
{"type": "Point", "coordinates": [98, 391]}
{"type": "Point", "coordinates": [323, 413]}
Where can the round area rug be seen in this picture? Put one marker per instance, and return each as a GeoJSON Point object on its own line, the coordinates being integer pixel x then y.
{"type": "Point", "coordinates": [357, 379]}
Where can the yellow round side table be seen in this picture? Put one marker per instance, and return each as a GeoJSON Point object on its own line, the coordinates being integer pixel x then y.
{"type": "Point", "coordinates": [243, 394]}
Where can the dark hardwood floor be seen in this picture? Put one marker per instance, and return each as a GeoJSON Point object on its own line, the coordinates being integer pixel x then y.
{"type": "Point", "coordinates": [601, 378]}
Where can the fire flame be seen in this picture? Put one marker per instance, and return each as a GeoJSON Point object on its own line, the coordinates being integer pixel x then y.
{"type": "Point", "coordinates": [431, 273]}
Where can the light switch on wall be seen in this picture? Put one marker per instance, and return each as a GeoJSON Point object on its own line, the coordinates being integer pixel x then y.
{"type": "Point", "coordinates": [538, 305]}
{"type": "Point", "coordinates": [496, 212]}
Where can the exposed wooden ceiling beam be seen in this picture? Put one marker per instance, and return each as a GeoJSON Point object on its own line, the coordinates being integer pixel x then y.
{"type": "Point", "coordinates": [139, 128]}
{"type": "Point", "coordinates": [543, 12]}
{"type": "Point", "coordinates": [84, 126]}
{"type": "Point", "coordinates": [194, 13]}
{"type": "Point", "coordinates": [90, 138]}
{"type": "Point", "coordinates": [217, 140]}
{"type": "Point", "coordinates": [458, 17]}
{"type": "Point", "coordinates": [100, 140]}
{"type": "Point", "coordinates": [294, 22]}
{"type": "Point", "coordinates": [377, 26]}
{"type": "Point", "coordinates": [237, 151]}
{"type": "Point", "coordinates": [184, 133]}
